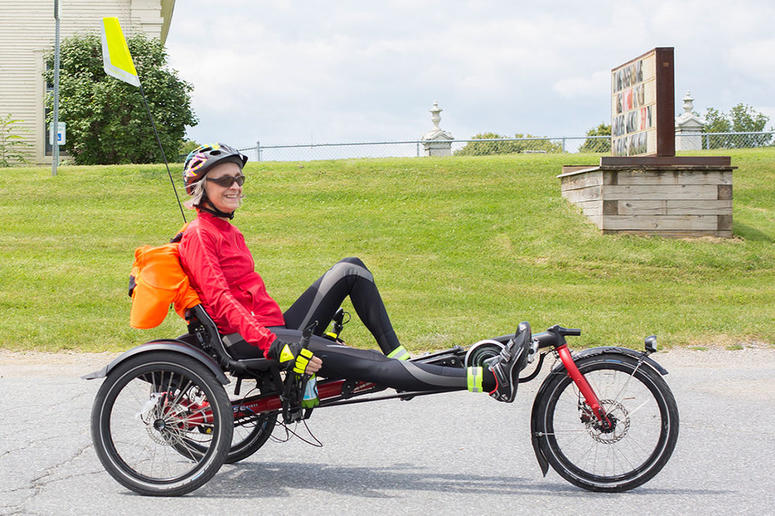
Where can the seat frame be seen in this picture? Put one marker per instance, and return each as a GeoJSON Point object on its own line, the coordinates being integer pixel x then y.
{"type": "Point", "coordinates": [207, 336]}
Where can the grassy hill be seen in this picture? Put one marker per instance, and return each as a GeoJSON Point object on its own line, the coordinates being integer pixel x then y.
{"type": "Point", "coordinates": [462, 248]}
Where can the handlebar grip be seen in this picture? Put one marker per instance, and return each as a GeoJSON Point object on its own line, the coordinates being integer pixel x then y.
{"type": "Point", "coordinates": [306, 334]}
{"type": "Point", "coordinates": [570, 332]}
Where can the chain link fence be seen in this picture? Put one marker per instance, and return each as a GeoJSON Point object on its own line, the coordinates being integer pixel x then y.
{"type": "Point", "coordinates": [484, 147]}
{"type": "Point", "coordinates": [737, 140]}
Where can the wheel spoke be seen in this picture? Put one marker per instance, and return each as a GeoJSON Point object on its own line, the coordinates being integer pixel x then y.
{"type": "Point", "coordinates": [621, 453]}
{"type": "Point", "coordinates": [579, 431]}
{"type": "Point", "coordinates": [636, 409]}
{"type": "Point", "coordinates": [181, 392]}
{"type": "Point", "coordinates": [617, 397]}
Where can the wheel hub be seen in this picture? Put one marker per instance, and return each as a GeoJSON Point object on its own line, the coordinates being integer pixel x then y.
{"type": "Point", "coordinates": [613, 428]}
{"type": "Point", "coordinates": [163, 423]}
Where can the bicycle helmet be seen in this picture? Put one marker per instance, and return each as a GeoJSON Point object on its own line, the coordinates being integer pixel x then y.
{"type": "Point", "coordinates": [205, 157]}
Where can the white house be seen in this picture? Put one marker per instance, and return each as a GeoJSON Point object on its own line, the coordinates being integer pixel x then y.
{"type": "Point", "coordinates": [27, 33]}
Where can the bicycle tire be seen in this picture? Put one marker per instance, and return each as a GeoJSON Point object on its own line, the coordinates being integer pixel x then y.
{"type": "Point", "coordinates": [634, 450]}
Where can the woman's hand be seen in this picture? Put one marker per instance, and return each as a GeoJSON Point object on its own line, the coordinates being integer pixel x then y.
{"type": "Point", "coordinates": [292, 357]}
{"type": "Point", "coordinates": [314, 365]}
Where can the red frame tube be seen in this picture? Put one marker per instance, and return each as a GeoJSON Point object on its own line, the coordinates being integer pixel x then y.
{"type": "Point", "coordinates": [581, 382]}
{"type": "Point", "coordinates": [326, 390]}
{"type": "Point", "coordinates": [251, 406]}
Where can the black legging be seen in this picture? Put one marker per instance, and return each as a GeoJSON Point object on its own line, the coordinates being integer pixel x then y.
{"type": "Point", "coordinates": [340, 361]}
{"type": "Point", "coordinates": [348, 277]}
{"type": "Point", "coordinates": [319, 303]}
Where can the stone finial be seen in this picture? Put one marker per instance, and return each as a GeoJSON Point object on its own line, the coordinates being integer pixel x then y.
{"type": "Point", "coordinates": [688, 102]}
{"type": "Point", "coordinates": [437, 133]}
{"type": "Point", "coordinates": [688, 118]}
{"type": "Point", "coordinates": [435, 117]}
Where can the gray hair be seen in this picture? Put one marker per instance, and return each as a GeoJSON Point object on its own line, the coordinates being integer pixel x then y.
{"type": "Point", "coordinates": [197, 192]}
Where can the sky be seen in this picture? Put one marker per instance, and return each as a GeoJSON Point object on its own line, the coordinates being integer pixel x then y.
{"type": "Point", "coordinates": [301, 72]}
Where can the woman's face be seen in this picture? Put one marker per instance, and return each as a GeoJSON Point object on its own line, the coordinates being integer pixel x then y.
{"type": "Point", "coordinates": [225, 199]}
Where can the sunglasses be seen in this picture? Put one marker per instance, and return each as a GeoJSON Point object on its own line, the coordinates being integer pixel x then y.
{"type": "Point", "coordinates": [227, 180]}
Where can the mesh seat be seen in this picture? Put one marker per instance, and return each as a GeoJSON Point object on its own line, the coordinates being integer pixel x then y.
{"type": "Point", "coordinates": [204, 332]}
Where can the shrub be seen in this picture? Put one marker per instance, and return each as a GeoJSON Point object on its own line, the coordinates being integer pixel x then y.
{"type": "Point", "coordinates": [12, 146]}
{"type": "Point", "coordinates": [520, 143]}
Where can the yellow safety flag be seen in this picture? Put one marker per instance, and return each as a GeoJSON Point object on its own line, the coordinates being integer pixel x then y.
{"type": "Point", "coordinates": [116, 58]}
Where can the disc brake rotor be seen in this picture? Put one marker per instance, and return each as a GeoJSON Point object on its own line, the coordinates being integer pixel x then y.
{"type": "Point", "coordinates": [619, 420]}
{"type": "Point", "coordinates": [164, 422]}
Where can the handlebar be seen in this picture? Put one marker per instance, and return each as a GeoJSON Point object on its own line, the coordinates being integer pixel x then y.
{"type": "Point", "coordinates": [555, 336]}
{"type": "Point", "coordinates": [305, 337]}
{"type": "Point", "coordinates": [569, 332]}
{"type": "Point", "coordinates": [294, 385]}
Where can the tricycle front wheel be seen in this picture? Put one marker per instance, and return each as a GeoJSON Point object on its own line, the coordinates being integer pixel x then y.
{"type": "Point", "coordinates": [628, 450]}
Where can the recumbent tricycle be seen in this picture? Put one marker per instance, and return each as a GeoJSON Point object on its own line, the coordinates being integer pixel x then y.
{"type": "Point", "coordinates": [163, 424]}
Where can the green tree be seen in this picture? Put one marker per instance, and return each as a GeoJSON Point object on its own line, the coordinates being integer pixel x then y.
{"type": "Point", "coordinates": [12, 146]}
{"type": "Point", "coordinates": [716, 122]}
{"type": "Point", "coordinates": [106, 119]}
{"type": "Point", "coordinates": [739, 119]}
{"type": "Point", "coordinates": [519, 143]}
{"type": "Point", "coordinates": [597, 144]}
{"type": "Point", "coordinates": [747, 119]}
{"type": "Point", "coordinates": [186, 146]}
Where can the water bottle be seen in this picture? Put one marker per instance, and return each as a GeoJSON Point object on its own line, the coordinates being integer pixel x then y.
{"type": "Point", "coordinates": [310, 398]}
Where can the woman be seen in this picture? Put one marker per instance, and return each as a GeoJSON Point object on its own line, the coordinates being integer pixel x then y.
{"type": "Point", "coordinates": [221, 269]}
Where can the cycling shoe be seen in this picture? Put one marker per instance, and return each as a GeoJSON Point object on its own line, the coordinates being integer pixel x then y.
{"type": "Point", "coordinates": [507, 365]}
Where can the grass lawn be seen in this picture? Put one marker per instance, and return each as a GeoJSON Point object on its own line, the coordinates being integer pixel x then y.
{"type": "Point", "coordinates": [462, 248]}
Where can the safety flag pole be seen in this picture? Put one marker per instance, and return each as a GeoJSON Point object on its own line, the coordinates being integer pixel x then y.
{"type": "Point", "coordinates": [55, 123]}
{"type": "Point", "coordinates": [118, 63]}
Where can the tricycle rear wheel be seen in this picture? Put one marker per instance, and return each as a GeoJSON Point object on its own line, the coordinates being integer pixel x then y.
{"type": "Point", "coordinates": [147, 410]}
{"type": "Point", "coordinates": [249, 435]}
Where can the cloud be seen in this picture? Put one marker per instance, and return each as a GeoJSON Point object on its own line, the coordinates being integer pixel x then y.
{"type": "Point", "coordinates": [754, 59]}
{"type": "Point", "coordinates": [348, 71]}
{"type": "Point", "coordinates": [596, 84]}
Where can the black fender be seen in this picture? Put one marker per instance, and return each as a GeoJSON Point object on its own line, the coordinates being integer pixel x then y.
{"type": "Point", "coordinates": [174, 345]}
{"type": "Point", "coordinates": [559, 368]}
{"type": "Point", "coordinates": [591, 352]}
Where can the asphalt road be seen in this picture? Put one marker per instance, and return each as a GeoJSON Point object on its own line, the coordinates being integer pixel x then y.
{"type": "Point", "coordinates": [455, 453]}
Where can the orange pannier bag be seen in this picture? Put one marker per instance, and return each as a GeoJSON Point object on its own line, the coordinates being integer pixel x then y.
{"type": "Point", "coordinates": [157, 281]}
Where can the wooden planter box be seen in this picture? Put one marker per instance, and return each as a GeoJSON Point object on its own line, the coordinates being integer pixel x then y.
{"type": "Point", "coordinates": [674, 197]}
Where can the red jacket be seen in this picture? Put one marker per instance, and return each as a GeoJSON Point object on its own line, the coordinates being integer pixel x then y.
{"type": "Point", "coordinates": [221, 269]}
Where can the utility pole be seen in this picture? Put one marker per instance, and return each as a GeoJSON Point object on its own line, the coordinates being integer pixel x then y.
{"type": "Point", "coordinates": [55, 122]}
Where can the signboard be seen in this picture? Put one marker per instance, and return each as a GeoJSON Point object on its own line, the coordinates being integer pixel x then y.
{"type": "Point", "coordinates": [643, 105]}
{"type": "Point", "coordinates": [60, 136]}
